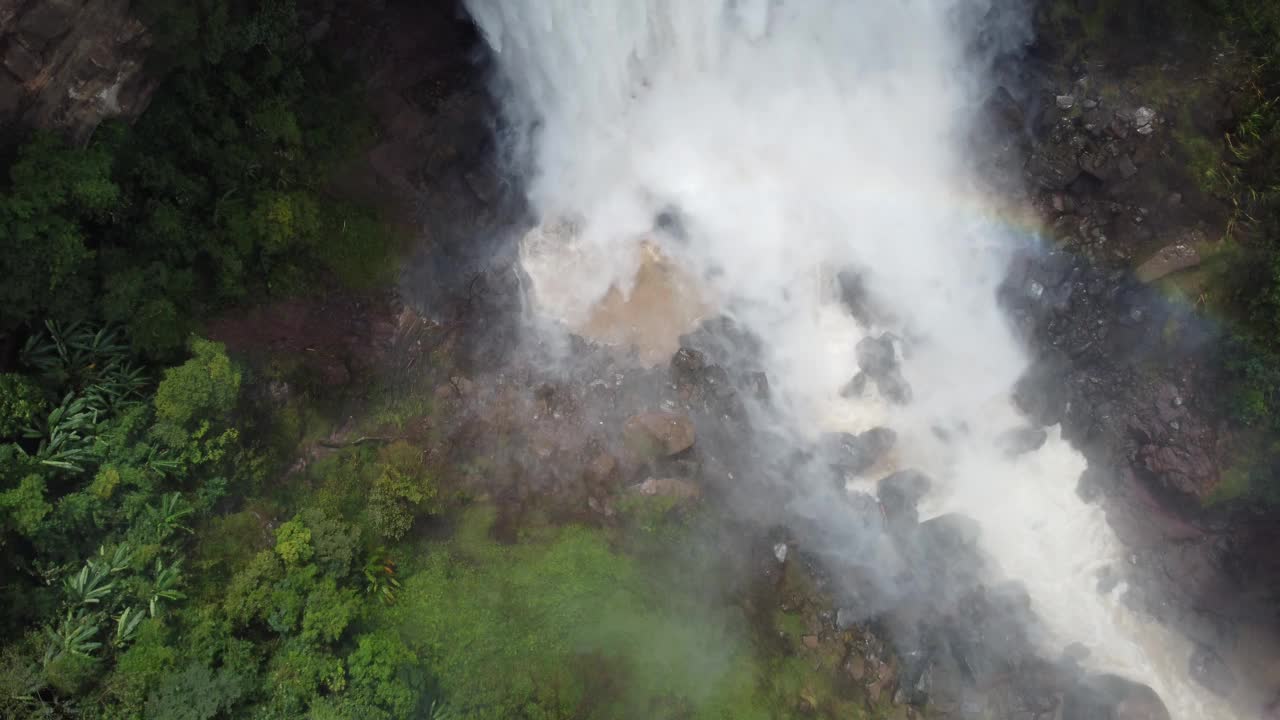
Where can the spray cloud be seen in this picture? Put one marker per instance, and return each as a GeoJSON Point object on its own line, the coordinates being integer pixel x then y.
{"type": "Point", "coordinates": [794, 140]}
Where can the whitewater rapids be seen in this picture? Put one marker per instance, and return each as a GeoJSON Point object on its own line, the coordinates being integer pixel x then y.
{"type": "Point", "coordinates": [795, 137]}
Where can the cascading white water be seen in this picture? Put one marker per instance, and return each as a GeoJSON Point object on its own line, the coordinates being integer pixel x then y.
{"type": "Point", "coordinates": [796, 137]}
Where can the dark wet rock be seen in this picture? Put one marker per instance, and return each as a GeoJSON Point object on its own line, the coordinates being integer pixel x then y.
{"type": "Point", "coordinates": [724, 342]}
{"type": "Point", "coordinates": [713, 392]}
{"type": "Point", "coordinates": [848, 453]}
{"type": "Point", "coordinates": [1126, 166]}
{"type": "Point", "coordinates": [915, 680]}
{"type": "Point", "coordinates": [1110, 697]}
{"type": "Point", "coordinates": [909, 485]}
{"type": "Point", "coordinates": [876, 356]}
{"type": "Point", "coordinates": [855, 387]}
{"type": "Point", "coordinates": [671, 222]}
{"type": "Point", "coordinates": [1010, 598]}
{"type": "Point", "coordinates": [1022, 441]}
{"type": "Point", "coordinates": [1054, 166]}
{"type": "Point", "coordinates": [854, 295]}
{"type": "Point", "coordinates": [952, 530]}
{"type": "Point", "coordinates": [1076, 652]}
{"type": "Point", "coordinates": [1040, 393]}
{"type": "Point", "coordinates": [941, 554]}
{"type": "Point", "coordinates": [1001, 131]}
{"type": "Point", "coordinates": [878, 361]}
{"type": "Point", "coordinates": [757, 383]}
{"type": "Point", "coordinates": [894, 388]}
{"type": "Point", "coordinates": [989, 636]}
{"type": "Point", "coordinates": [866, 511]}
{"type": "Point", "coordinates": [1208, 668]}
{"type": "Point", "coordinates": [658, 434]}
{"type": "Point", "coordinates": [687, 363]}
{"type": "Point", "coordinates": [1002, 110]}
{"type": "Point", "coordinates": [899, 493]}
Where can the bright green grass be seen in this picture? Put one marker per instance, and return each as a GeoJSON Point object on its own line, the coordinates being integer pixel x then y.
{"type": "Point", "coordinates": [563, 626]}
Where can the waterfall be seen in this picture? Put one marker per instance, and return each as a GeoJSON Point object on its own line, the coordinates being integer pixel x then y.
{"type": "Point", "coordinates": [798, 138]}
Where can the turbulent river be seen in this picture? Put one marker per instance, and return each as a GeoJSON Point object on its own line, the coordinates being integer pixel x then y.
{"type": "Point", "coordinates": [792, 138]}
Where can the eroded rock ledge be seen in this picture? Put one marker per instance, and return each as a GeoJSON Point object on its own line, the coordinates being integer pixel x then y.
{"type": "Point", "coordinates": [70, 64]}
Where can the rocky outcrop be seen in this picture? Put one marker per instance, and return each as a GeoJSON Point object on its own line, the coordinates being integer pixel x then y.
{"type": "Point", "coordinates": [877, 360]}
{"type": "Point", "coordinates": [658, 434]}
{"type": "Point", "coordinates": [336, 339]}
{"type": "Point", "coordinates": [1134, 377]}
{"type": "Point", "coordinates": [435, 165]}
{"type": "Point", "coordinates": [70, 64]}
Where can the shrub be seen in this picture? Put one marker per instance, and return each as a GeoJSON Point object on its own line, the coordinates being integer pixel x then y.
{"type": "Point", "coordinates": [22, 404]}
{"type": "Point", "coordinates": [206, 386]}
{"type": "Point", "coordinates": [403, 491]}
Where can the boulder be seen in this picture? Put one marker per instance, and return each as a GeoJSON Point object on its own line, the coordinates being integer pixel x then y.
{"type": "Point", "coordinates": [658, 434]}
{"type": "Point", "coordinates": [24, 64]}
{"type": "Point", "coordinates": [1168, 259]}
{"type": "Point", "coordinates": [952, 530]}
{"type": "Point", "coordinates": [848, 453]}
{"type": "Point", "coordinates": [856, 386]}
{"type": "Point", "coordinates": [876, 357]}
{"type": "Point", "coordinates": [1054, 166]}
{"type": "Point", "coordinates": [48, 19]}
{"type": "Point", "coordinates": [1110, 697]}
{"type": "Point", "coordinates": [670, 487]}
{"type": "Point", "coordinates": [1187, 469]}
{"type": "Point", "coordinates": [854, 294]}
{"type": "Point", "coordinates": [894, 388]}
{"type": "Point", "coordinates": [1040, 393]}
{"type": "Point", "coordinates": [878, 361]}
{"type": "Point", "coordinates": [1127, 167]}
{"type": "Point", "coordinates": [686, 364]}
{"type": "Point", "coordinates": [900, 492]}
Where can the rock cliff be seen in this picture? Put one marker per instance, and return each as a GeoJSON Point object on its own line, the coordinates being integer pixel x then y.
{"type": "Point", "coordinates": [70, 64]}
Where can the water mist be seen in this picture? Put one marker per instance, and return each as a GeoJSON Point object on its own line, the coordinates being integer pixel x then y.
{"type": "Point", "coordinates": [796, 139]}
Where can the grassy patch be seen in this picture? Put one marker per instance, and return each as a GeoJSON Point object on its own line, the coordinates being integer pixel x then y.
{"type": "Point", "coordinates": [564, 625]}
{"type": "Point", "coordinates": [507, 630]}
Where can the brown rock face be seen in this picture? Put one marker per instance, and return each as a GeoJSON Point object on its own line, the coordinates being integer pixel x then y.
{"type": "Point", "coordinates": [70, 64]}
{"type": "Point", "coordinates": [337, 338]}
{"type": "Point", "coordinates": [1187, 470]}
{"type": "Point", "coordinates": [658, 434]}
{"type": "Point", "coordinates": [1167, 260]}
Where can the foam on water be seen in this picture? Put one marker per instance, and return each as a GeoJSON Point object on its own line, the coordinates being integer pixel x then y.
{"type": "Point", "coordinates": [797, 137]}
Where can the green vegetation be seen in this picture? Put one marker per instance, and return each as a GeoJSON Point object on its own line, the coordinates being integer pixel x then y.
{"type": "Point", "coordinates": [1243, 169]}
{"type": "Point", "coordinates": [138, 585]}
{"type": "Point", "coordinates": [569, 626]}
{"type": "Point", "coordinates": [215, 198]}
